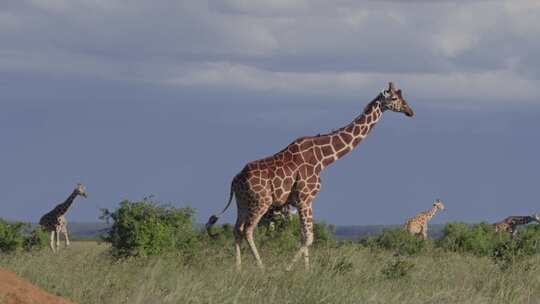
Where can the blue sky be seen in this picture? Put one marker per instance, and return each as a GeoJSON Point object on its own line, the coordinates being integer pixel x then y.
{"type": "Point", "coordinates": [173, 98]}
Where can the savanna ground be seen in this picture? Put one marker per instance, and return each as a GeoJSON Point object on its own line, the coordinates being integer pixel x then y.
{"type": "Point", "coordinates": [347, 273]}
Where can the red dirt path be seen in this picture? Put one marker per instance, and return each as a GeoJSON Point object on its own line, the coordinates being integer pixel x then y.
{"type": "Point", "coordinates": [15, 290]}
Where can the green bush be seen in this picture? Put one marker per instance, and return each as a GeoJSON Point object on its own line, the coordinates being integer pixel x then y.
{"type": "Point", "coordinates": [528, 240]}
{"type": "Point", "coordinates": [146, 227]}
{"type": "Point", "coordinates": [37, 240]}
{"type": "Point", "coordinates": [480, 239]}
{"type": "Point", "coordinates": [286, 235]}
{"type": "Point", "coordinates": [455, 235]}
{"type": "Point", "coordinates": [397, 239]}
{"type": "Point", "coordinates": [11, 235]}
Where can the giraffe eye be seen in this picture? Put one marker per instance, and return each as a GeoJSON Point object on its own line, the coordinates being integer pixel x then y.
{"type": "Point", "coordinates": [394, 98]}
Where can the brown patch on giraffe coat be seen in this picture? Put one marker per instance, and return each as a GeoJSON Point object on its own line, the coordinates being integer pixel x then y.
{"type": "Point", "coordinates": [327, 161]}
{"type": "Point", "coordinates": [323, 140]}
{"type": "Point", "coordinates": [280, 172]}
{"type": "Point", "coordinates": [346, 138]}
{"type": "Point", "coordinates": [255, 180]}
{"type": "Point", "coordinates": [327, 150]}
{"type": "Point", "coordinates": [287, 156]}
{"type": "Point", "coordinates": [368, 119]}
{"type": "Point", "coordinates": [357, 130]}
{"type": "Point", "coordinates": [318, 154]}
{"type": "Point", "coordinates": [276, 182]}
{"type": "Point", "coordinates": [343, 152]}
{"type": "Point", "coordinates": [287, 183]}
{"type": "Point", "coordinates": [364, 130]}
{"type": "Point", "coordinates": [310, 170]}
{"type": "Point", "coordinates": [337, 143]}
{"type": "Point", "coordinates": [306, 145]}
{"type": "Point", "coordinates": [279, 193]}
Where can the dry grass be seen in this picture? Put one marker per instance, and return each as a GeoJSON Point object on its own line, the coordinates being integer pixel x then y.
{"type": "Point", "coordinates": [86, 274]}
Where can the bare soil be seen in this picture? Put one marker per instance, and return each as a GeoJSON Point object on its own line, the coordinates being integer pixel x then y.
{"type": "Point", "coordinates": [15, 290]}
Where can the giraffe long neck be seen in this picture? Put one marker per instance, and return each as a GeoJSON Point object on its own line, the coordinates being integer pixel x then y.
{"type": "Point", "coordinates": [63, 207]}
{"type": "Point", "coordinates": [431, 212]}
{"type": "Point", "coordinates": [345, 139]}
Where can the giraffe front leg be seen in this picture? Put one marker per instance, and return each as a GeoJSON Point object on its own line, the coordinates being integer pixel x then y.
{"type": "Point", "coordinates": [424, 232]}
{"type": "Point", "coordinates": [306, 222]}
{"type": "Point", "coordinates": [251, 242]}
{"type": "Point", "coordinates": [58, 230]}
{"type": "Point", "coordinates": [66, 237]}
{"type": "Point", "coordinates": [52, 241]}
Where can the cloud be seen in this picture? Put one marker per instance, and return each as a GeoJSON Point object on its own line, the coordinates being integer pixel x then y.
{"type": "Point", "coordinates": [497, 86]}
{"type": "Point", "coordinates": [472, 50]}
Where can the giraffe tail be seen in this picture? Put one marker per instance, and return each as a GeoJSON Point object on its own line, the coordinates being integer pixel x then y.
{"type": "Point", "coordinates": [214, 218]}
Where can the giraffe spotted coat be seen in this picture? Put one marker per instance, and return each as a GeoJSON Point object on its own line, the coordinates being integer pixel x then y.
{"type": "Point", "coordinates": [418, 224]}
{"type": "Point", "coordinates": [292, 176]}
{"type": "Point", "coordinates": [54, 220]}
{"type": "Point", "coordinates": [511, 223]}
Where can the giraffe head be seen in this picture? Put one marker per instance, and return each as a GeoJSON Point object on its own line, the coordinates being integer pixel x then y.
{"type": "Point", "coordinates": [391, 99]}
{"type": "Point", "coordinates": [81, 190]}
{"type": "Point", "coordinates": [536, 217]}
{"type": "Point", "coordinates": [439, 204]}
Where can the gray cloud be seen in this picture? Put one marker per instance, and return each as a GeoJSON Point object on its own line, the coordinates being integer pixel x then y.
{"type": "Point", "coordinates": [481, 50]}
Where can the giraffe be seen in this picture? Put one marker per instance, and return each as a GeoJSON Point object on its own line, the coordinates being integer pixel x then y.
{"type": "Point", "coordinates": [418, 224]}
{"type": "Point", "coordinates": [55, 222]}
{"type": "Point", "coordinates": [510, 223]}
{"type": "Point", "coordinates": [292, 175]}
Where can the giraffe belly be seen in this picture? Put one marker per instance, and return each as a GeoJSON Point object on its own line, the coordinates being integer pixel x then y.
{"type": "Point", "coordinates": [413, 227]}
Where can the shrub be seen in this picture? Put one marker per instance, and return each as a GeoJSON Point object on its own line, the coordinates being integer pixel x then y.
{"type": "Point", "coordinates": [480, 239]}
{"type": "Point", "coordinates": [37, 240]}
{"type": "Point", "coordinates": [528, 240]}
{"type": "Point", "coordinates": [11, 235]}
{"type": "Point", "coordinates": [146, 227]}
{"type": "Point", "coordinates": [286, 235]}
{"type": "Point", "coordinates": [454, 236]}
{"type": "Point", "coordinates": [397, 239]}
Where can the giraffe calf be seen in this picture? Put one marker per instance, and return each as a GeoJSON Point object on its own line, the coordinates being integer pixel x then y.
{"type": "Point", "coordinates": [418, 224]}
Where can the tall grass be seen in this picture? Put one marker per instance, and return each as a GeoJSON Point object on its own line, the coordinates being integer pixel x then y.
{"type": "Point", "coordinates": [86, 273]}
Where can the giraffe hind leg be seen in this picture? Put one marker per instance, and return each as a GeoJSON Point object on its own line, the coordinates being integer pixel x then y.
{"type": "Point", "coordinates": [238, 236]}
{"type": "Point", "coordinates": [249, 237]}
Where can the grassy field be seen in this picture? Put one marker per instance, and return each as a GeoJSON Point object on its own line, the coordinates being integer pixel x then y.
{"type": "Point", "coordinates": [86, 273]}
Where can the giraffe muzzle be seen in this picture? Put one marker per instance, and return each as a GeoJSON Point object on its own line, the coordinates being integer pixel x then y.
{"type": "Point", "coordinates": [409, 112]}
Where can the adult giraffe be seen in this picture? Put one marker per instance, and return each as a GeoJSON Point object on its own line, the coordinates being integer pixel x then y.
{"type": "Point", "coordinates": [54, 220]}
{"type": "Point", "coordinates": [292, 176]}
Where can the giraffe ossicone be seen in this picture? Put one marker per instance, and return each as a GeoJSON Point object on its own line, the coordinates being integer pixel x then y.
{"type": "Point", "coordinates": [292, 176]}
